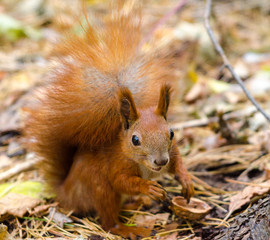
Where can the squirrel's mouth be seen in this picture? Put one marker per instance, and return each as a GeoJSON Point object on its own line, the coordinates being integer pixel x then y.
{"type": "Point", "coordinates": [157, 169]}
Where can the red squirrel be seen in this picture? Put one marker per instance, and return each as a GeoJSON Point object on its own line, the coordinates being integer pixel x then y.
{"type": "Point", "coordinates": [101, 128]}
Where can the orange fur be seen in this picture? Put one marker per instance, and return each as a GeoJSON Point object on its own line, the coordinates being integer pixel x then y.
{"type": "Point", "coordinates": [102, 94]}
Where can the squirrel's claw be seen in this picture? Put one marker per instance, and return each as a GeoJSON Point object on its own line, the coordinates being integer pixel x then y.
{"type": "Point", "coordinates": [187, 187]}
{"type": "Point", "coordinates": [154, 191]}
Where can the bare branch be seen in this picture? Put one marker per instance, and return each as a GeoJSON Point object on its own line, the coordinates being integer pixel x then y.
{"type": "Point", "coordinates": [226, 61]}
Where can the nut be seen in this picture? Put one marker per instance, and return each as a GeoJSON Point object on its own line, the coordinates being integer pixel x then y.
{"type": "Point", "coordinates": [194, 210]}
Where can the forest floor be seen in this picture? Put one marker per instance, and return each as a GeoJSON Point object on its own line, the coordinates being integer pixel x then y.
{"type": "Point", "coordinates": [224, 141]}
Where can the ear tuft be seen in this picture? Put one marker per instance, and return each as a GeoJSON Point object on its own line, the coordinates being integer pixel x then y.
{"type": "Point", "coordinates": [164, 100]}
{"type": "Point", "coordinates": [128, 109]}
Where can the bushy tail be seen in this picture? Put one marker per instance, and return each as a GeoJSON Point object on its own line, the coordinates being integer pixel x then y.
{"type": "Point", "coordinates": [72, 111]}
{"type": "Point", "coordinates": [111, 45]}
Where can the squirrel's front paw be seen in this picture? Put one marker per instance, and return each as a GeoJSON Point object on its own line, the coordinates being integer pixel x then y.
{"type": "Point", "coordinates": [153, 190]}
{"type": "Point", "coordinates": [187, 186]}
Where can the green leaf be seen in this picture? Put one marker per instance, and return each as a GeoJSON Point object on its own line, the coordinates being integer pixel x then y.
{"type": "Point", "coordinates": [12, 29]}
{"type": "Point", "coordinates": [217, 86]}
{"type": "Point", "coordinates": [29, 188]}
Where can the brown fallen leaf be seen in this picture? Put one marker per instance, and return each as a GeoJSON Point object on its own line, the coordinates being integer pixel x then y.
{"type": "Point", "coordinates": [146, 221]}
{"type": "Point", "coordinates": [42, 208]}
{"type": "Point", "coordinates": [244, 197]}
{"type": "Point", "coordinates": [213, 141]}
{"type": "Point", "coordinates": [171, 226]}
{"type": "Point", "coordinates": [199, 90]}
{"type": "Point", "coordinates": [17, 204]}
{"type": "Point", "coordinates": [5, 162]}
{"type": "Point", "coordinates": [172, 236]}
{"type": "Point", "coordinates": [149, 221]}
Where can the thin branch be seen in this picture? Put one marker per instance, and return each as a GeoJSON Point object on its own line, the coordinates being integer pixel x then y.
{"type": "Point", "coordinates": [226, 61]}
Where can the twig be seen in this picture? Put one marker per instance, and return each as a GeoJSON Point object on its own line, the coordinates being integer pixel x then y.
{"type": "Point", "coordinates": [205, 121]}
{"type": "Point", "coordinates": [25, 166]}
{"type": "Point", "coordinates": [226, 61]}
{"type": "Point", "coordinates": [194, 123]}
{"type": "Point", "coordinates": [163, 20]}
{"type": "Point", "coordinates": [246, 183]}
{"type": "Point", "coordinates": [207, 186]}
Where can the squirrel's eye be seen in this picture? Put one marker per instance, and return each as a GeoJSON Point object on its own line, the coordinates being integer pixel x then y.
{"type": "Point", "coordinates": [171, 134]}
{"type": "Point", "coordinates": [135, 140]}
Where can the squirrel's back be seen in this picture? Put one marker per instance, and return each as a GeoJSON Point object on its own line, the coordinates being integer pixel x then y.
{"type": "Point", "coordinates": [79, 107]}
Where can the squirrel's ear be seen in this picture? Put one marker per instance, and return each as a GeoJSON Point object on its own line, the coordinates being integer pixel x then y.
{"type": "Point", "coordinates": [128, 109]}
{"type": "Point", "coordinates": [164, 100]}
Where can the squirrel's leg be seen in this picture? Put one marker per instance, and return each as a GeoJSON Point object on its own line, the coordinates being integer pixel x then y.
{"type": "Point", "coordinates": [108, 209]}
{"type": "Point", "coordinates": [177, 167]}
{"type": "Point", "coordinates": [134, 185]}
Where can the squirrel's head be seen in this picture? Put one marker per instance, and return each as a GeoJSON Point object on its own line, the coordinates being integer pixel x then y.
{"type": "Point", "coordinates": [147, 135]}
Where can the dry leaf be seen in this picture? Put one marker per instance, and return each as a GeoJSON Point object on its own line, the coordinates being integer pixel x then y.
{"type": "Point", "coordinates": [5, 162]}
{"type": "Point", "coordinates": [42, 208]}
{"type": "Point", "coordinates": [262, 139]}
{"type": "Point", "coordinates": [17, 204]}
{"type": "Point", "coordinates": [244, 197]}
{"type": "Point", "coordinates": [171, 226]}
{"type": "Point", "coordinates": [150, 220]}
{"type": "Point", "coordinates": [213, 141]}
{"type": "Point", "coordinates": [170, 237]}
{"type": "Point", "coordinates": [59, 218]}
{"type": "Point", "coordinates": [199, 90]}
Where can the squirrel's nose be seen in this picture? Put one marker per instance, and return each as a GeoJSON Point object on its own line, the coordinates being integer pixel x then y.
{"type": "Point", "coordinates": [161, 161]}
